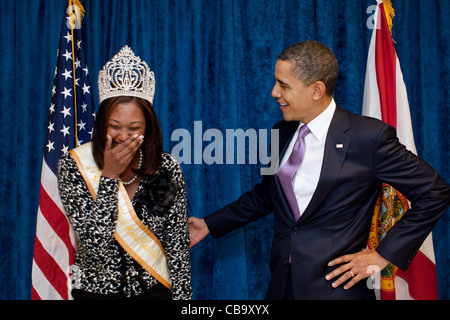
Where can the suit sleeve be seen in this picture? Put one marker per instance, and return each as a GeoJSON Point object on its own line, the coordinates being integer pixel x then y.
{"type": "Point", "coordinates": [423, 187]}
{"type": "Point", "coordinates": [253, 204]}
{"type": "Point", "coordinates": [250, 206]}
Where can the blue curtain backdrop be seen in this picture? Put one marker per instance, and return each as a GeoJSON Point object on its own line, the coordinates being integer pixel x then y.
{"type": "Point", "coordinates": [214, 63]}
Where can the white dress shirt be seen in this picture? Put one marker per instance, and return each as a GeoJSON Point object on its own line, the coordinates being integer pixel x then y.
{"type": "Point", "coordinates": [307, 176]}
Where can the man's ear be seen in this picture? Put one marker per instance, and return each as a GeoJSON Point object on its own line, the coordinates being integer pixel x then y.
{"type": "Point", "coordinates": [319, 90]}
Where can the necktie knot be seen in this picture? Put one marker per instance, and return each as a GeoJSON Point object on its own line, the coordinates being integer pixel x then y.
{"type": "Point", "coordinates": [304, 131]}
{"type": "Point", "coordinates": [298, 152]}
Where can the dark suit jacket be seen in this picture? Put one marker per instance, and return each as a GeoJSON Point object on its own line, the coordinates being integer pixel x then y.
{"type": "Point", "coordinates": [338, 218]}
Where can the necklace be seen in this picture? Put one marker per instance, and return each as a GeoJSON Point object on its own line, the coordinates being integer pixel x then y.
{"type": "Point", "coordinates": [127, 183]}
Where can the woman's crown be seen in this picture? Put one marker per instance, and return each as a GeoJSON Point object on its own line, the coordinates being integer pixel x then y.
{"type": "Point", "coordinates": [126, 75]}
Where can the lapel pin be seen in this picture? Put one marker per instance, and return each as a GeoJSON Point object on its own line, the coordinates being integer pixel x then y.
{"type": "Point", "coordinates": [339, 146]}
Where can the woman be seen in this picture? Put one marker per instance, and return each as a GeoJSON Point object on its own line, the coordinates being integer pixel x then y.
{"type": "Point", "coordinates": [125, 198]}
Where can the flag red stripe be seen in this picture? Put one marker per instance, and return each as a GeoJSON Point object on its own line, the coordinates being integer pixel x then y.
{"type": "Point", "coordinates": [57, 220]}
{"type": "Point", "coordinates": [424, 269]}
{"type": "Point", "coordinates": [50, 269]}
{"type": "Point", "coordinates": [385, 65]}
{"type": "Point", "coordinates": [34, 294]}
{"type": "Point", "coordinates": [387, 295]}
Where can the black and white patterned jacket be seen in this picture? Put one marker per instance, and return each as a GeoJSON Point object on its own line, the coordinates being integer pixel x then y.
{"type": "Point", "coordinates": [102, 266]}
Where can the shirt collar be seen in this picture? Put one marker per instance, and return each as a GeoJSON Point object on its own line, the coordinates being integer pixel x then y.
{"type": "Point", "coordinates": [320, 124]}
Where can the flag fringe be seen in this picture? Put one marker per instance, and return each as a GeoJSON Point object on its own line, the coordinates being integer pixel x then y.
{"type": "Point", "coordinates": [80, 13]}
{"type": "Point", "coordinates": [390, 13]}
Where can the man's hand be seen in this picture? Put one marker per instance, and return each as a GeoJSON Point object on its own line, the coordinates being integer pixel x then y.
{"type": "Point", "coordinates": [356, 267]}
{"type": "Point", "coordinates": [197, 230]}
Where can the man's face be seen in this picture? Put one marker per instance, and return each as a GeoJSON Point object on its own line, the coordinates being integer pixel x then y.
{"type": "Point", "coordinates": [295, 98]}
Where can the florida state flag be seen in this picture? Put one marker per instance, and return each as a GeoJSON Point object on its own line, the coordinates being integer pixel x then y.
{"type": "Point", "coordinates": [385, 98]}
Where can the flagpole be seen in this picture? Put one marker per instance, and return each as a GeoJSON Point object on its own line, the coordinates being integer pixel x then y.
{"type": "Point", "coordinates": [77, 13]}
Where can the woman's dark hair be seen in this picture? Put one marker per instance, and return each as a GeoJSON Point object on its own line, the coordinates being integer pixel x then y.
{"type": "Point", "coordinates": [152, 145]}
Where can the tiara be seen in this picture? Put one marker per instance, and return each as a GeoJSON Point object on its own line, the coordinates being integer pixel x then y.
{"type": "Point", "coordinates": [126, 75]}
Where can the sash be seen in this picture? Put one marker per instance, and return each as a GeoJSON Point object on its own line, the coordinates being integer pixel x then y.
{"type": "Point", "coordinates": [134, 237]}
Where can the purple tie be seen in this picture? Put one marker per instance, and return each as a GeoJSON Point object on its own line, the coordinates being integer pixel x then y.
{"type": "Point", "coordinates": [288, 170]}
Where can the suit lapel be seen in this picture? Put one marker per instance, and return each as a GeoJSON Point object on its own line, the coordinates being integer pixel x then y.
{"type": "Point", "coordinates": [336, 147]}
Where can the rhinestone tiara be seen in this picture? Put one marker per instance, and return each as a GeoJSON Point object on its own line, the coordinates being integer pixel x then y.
{"type": "Point", "coordinates": [126, 75]}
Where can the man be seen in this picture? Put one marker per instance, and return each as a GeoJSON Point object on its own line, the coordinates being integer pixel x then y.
{"type": "Point", "coordinates": [323, 213]}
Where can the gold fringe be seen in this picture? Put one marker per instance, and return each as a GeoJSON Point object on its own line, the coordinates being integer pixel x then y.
{"type": "Point", "coordinates": [80, 13]}
{"type": "Point", "coordinates": [390, 13]}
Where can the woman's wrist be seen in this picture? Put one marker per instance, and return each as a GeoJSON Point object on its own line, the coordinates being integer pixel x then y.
{"type": "Point", "coordinates": [110, 175]}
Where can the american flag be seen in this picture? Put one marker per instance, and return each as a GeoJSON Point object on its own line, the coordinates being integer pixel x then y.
{"type": "Point", "coordinates": [71, 118]}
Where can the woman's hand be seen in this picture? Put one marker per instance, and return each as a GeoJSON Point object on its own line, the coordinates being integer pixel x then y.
{"type": "Point", "coordinates": [118, 158]}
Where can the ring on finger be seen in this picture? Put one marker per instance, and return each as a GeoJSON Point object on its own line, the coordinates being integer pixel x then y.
{"type": "Point", "coordinates": [352, 274]}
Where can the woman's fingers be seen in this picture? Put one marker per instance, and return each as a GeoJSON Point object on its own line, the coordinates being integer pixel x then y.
{"type": "Point", "coordinates": [130, 146]}
{"type": "Point", "coordinates": [118, 158]}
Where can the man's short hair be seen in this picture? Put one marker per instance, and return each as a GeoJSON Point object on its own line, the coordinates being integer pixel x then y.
{"type": "Point", "coordinates": [312, 61]}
